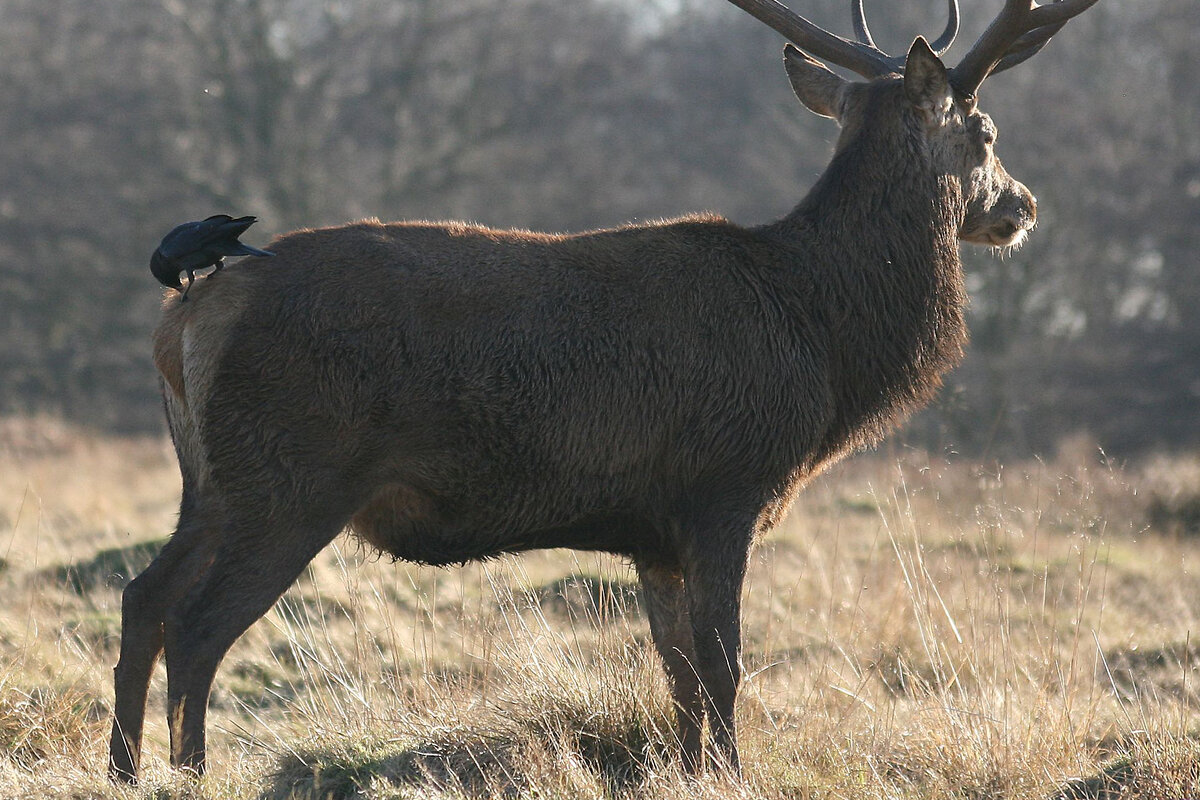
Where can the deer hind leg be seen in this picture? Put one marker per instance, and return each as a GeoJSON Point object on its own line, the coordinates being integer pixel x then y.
{"type": "Point", "coordinates": [713, 572]}
{"type": "Point", "coordinates": [256, 562]}
{"type": "Point", "coordinates": [671, 628]}
{"type": "Point", "coordinates": [143, 608]}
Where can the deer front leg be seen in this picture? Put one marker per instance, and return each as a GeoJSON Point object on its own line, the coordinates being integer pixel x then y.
{"type": "Point", "coordinates": [714, 572]}
{"type": "Point", "coordinates": [671, 629]}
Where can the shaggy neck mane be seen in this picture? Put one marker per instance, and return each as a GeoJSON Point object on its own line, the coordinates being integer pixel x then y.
{"type": "Point", "coordinates": [878, 233]}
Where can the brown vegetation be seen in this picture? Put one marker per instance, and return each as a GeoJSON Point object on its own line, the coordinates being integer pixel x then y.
{"type": "Point", "coordinates": [916, 628]}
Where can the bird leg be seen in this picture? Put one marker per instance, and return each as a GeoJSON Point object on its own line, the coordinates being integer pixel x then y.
{"type": "Point", "coordinates": [191, 279]}
{"type": "Point", "coordinates": [219, 263]}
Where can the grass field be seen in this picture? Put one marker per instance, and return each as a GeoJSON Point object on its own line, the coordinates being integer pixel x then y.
{"type": "Point", "coordinates": [918, 627]}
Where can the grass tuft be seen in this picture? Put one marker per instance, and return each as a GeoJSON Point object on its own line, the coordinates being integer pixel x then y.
{"type": "Point", "coordinates": [110, 568]}
{"type": "Point", "coordinates": [39, 723]}
{"type": "Point", "coordinates": [588, 598]}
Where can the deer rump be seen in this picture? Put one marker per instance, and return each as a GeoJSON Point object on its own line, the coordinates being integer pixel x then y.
{"type": "Point", "coordinates": [460, 392]}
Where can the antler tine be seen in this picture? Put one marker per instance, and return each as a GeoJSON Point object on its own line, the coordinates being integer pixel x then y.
{"type": "Point", "coordinates": [860, 57]}
{"type": "Point", "coordinates": [860, 24]}
{"type": "Point", "coordinates": [939, 46]}
{"type": "Point", "coordinates": [1020, 29]}
{"type": "Point", "coordinates": [1027, 46]}
{"type": "Point", "coordinates": [943, 42]}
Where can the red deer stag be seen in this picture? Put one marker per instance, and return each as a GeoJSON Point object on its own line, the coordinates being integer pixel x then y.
{"type": "Point", "coordinates": [661, 391]}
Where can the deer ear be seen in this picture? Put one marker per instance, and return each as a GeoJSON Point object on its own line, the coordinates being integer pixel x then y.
{"type": "Point", "coordinates": [818, 88]}
{"type": "Point", "coordinates": [926, 81]}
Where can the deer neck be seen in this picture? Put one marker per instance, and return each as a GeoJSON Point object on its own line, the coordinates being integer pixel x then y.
{"type": "Point", "coordinates": [881, 253]}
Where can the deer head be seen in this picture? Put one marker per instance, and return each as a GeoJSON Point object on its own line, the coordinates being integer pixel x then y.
{"type": "Point", "coordinates": [993, 208]}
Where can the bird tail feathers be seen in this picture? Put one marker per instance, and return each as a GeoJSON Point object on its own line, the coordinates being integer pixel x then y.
{"type": "Point", "coordinates": [247, 250]}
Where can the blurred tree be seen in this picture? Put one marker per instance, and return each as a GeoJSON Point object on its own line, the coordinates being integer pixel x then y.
{"type": "Point", "coordinates": [123, 118]}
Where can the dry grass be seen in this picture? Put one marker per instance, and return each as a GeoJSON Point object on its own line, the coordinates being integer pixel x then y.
{"type": "Point", "coordinates": [917, 628]}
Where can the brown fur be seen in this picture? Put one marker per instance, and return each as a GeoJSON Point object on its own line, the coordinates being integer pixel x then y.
{"type": "Point", "coordinates": [168, 352]}
{"type": "Point", "coordinates": [659, 391]}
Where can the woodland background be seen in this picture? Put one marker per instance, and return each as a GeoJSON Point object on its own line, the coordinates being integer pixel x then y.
{"type": "Point", "coordinates": [123, 118]}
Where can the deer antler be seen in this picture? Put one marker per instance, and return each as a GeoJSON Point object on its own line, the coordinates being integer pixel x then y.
{"type": "Point", "coordinates": [939, 46]}
{"type": "Point", "coordinates": [1020, 30]}
{"type": "Point", "coordinates": [862, 56]}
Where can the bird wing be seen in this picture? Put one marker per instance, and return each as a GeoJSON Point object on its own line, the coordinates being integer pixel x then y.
{"type": "Point", "coordinates": [223, 228]}
{"type": "Point", "coordinates": [181, 240]}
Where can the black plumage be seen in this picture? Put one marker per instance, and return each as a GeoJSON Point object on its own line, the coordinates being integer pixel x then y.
{"type": "Point", "coordinates": [196, 245]}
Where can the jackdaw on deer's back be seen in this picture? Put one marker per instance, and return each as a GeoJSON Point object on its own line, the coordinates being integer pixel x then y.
{"type": "Point", "coordinates": [196, 245]}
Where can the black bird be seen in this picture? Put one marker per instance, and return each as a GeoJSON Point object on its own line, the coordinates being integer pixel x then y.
{"type": "Point", "coordinates": [196, 245]}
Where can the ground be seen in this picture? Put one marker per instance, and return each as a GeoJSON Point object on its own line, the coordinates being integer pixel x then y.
{"type": "Point", "coordinates": [919, 626]}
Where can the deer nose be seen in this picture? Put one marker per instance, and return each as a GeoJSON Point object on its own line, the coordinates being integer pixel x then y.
{"type": "Point", "coordinates": [1024, 215]}
{"type": "Point", "coordinates": [1007, 228]}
